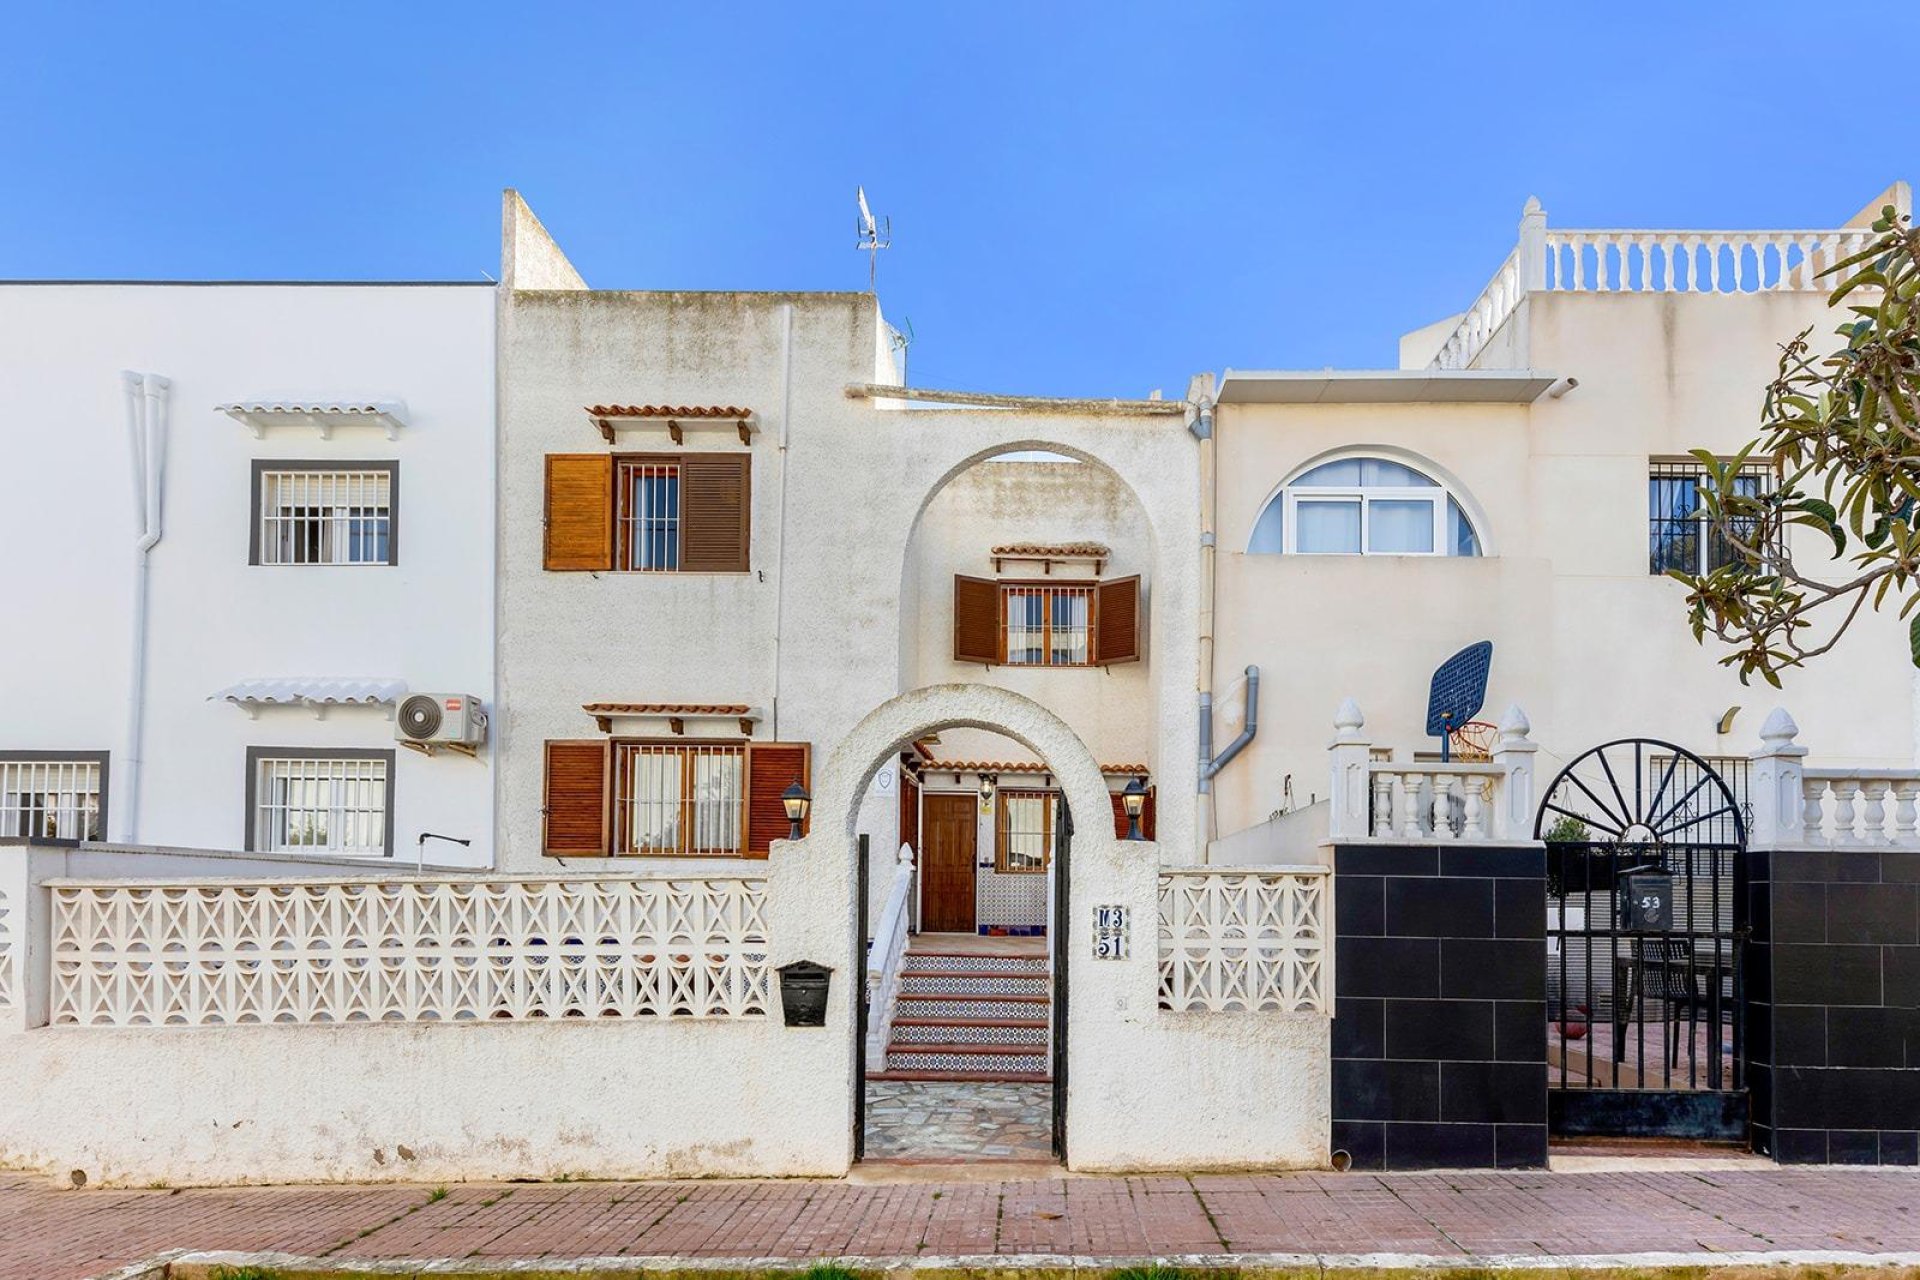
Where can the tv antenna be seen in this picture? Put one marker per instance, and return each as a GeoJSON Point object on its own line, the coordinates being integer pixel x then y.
{"type": "Point", "coordinates": [872, 235]}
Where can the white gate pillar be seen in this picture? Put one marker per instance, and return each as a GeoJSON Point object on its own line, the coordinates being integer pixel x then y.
{"type": "Point", "coordinates": [1779, 785]}
{"type": "Point", "coordinates": [1350, 755]}
{"type": "Point", "coordinates": [1513, 753]}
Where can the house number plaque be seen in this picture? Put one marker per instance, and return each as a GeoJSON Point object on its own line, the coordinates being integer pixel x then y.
{"type": "Point", "coordinates": [1110, 932]}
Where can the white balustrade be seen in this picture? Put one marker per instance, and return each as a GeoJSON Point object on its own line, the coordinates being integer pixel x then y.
{"type": "Point", "coordinates": [220, 953]}
{"type": "Point", "coordinates": [1696, 261]}
{"type": "Point", "coordinates": [1246, 940]}
{"type": "Point", "coordinates": [1860, 806]}
{"type": "Point", "coordinates": [1623, 261]}
{"type": "Point", "coordinates": [886, 956]}
{"type": "Point", "coordinates": [1435, 801]}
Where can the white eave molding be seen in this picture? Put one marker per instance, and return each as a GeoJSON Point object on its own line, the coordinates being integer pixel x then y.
{"type": "Point", "coordinates": [316, 693]}
{"type": "Point", "coordinates": [320, 415]}
{"type": "Point", "coordinates": [1384, 386]}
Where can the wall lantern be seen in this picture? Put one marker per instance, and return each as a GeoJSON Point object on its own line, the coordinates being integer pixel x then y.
{"type": "Point", "coordinates": [1135, 799]}
{"type": "Point", "coordinates": [797, 801]}
{"type": "Point", "coordinates": [986, 789]}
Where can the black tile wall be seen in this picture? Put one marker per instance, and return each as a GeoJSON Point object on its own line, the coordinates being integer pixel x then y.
{"type": "Point", "coordinates": [1440, 1017]}
{"type": "Point", "coordinates": [1833, 1005]}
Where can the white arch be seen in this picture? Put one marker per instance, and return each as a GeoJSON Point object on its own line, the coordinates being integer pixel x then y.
{"type": "Point", "coordinates": [1455, 487]}
{"type": "Point", "coordinates": [895, 723]}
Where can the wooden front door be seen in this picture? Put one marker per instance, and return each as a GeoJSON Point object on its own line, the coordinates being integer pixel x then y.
{"type": "Point", "coordinates": [947, 832]}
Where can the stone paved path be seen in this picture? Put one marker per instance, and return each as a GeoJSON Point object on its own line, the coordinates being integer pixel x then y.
{"type": "Point", "coordinates": [47, 1234]}
{"type": "Point", "coordinates": [941, 1121]}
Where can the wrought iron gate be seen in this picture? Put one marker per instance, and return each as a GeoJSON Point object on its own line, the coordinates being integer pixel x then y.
{"type": "Point", "coordinates": [1646, 933]}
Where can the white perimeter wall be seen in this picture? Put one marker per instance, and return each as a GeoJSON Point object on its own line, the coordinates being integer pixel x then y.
{"type": "Point", "coordinates": [66, 511]}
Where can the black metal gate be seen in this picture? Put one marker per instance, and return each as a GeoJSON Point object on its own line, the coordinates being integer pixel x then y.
{"type": "Point", "coordinates": [1062, 913]}
{"type": "Point", "coordinates": [1646, 932]}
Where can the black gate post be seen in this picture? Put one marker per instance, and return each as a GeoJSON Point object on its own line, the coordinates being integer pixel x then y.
{"type": "Point", "coordinates": [1062, 936]}
{"type": "Point", "coordinates": [859, 995]}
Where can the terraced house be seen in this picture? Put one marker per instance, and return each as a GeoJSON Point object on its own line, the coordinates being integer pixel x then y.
{"type": "Point", "coordinates": [1076, 767]}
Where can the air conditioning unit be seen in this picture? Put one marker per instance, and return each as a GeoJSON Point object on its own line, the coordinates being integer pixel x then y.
{"type": "Point", "coordinates": [428, 720]}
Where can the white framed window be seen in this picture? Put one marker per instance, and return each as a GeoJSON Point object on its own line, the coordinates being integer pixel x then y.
{"type": "Point", "coordinates": [57, 795]}
{"type": "Point", "coordinates": [314, 801]}
{"type": "Point", "coordinates": [675, 798]}
{"type": "Point", "coordinates": [1364, 506]}
{"type": "Point", "coordinates": [331, 514]}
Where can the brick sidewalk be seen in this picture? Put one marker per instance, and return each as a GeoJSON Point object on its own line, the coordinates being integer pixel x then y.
{"type": "Point", "coordinates": [47, 1234]}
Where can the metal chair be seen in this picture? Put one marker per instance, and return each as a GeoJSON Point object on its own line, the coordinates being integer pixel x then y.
{"type": "Point", "coordinates": [1664, 970]}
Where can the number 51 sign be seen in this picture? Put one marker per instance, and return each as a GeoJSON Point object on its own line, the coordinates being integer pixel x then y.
{"type": "Point", "coordinates": [1110, 932]}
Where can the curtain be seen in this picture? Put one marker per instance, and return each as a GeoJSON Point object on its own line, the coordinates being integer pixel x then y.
{"type": "Point", "coordinates": [1399, 526]}
{"type": "Point", "coordinates": [1327, 528]}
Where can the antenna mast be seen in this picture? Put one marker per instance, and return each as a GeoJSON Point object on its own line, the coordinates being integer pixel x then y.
{"type": "Point", "coordinates": [871, 235]}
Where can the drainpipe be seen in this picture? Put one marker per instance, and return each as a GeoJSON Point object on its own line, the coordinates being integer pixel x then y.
{"type": "Point", "coordinates": [1202, 429]}
{"type": "Point", "coordinates": [1213, 764]}
{"type": "Point", "coordinates": [147, 435]}
{"type": "Point", "coordinates": [780, 521]}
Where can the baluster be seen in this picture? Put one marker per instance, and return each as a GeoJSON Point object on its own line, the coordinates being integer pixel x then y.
{"type": "Point", "coordinates": [1579, 265]}
{"type": "Point", "coordinates": [1600, 244]}
{"type": "Point", "coordinates": [1442, 807]}
{"type": "Point", "coordinates": [1783, 246]}
{"type": "Point", "coordinates": [1646, 261]}
{"type": "Point", "coordinates": [1874, 817]}
{"type": "Point", "coordinates": [1667, 250]}
{"type": "Point", "coordinates": [1411, 816]}
{"type": "Point", "coordinates": [1380, 821]}
{"type": "Point", "coordinates": [1402, 807]}
{"type": "Point", "coordinates": [1904, 794]}
{"type": "Point", "coordinates": [1809, 254]}
{"type": "Point", "coordinates": [1713, 265]}
{"type": "Point", "coordinates": [1473, 823]}
{"type": "Point", "coordinates": [1813, 813]}
{"type": "Point", "coordinates": [1843, 811]}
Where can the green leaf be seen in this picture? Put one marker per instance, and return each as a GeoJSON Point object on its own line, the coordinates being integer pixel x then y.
{"type": "Point", "coordinates": [1913, 639]}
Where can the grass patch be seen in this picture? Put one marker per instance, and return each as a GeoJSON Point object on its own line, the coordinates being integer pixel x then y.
{"type": "Point", "coordinates": [436, 1195]}
{"type": "Point", "coordinates": [243, 1273]}
{"type": "Point", "coordinates": [828, 1271]}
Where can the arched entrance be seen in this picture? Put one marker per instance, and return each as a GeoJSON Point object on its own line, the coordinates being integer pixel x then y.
{"type": "Point", "coordinates": [1646, 928]}
{"type": "Point", "coordinates": [1081, 791]}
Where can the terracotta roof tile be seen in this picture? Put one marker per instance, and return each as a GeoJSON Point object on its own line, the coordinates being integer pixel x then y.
{"type": "Point", "coordinates": [1055, 550]}
{"type": "Point", "coordinates": [665, 709]}
{"type": "Point", "coordinates": [1018, 766]}
{"type": "Point", "coordinates": [688, 411]}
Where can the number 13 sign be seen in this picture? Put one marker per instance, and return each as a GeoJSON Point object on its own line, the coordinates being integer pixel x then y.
{"type": "Point", "coordinates": [1110, 932]}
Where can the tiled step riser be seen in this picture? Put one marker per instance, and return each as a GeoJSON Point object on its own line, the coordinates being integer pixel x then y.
{"type": "Point", "coordinates": [977, 964]}
{"type": "Point", "coordinates": [961, 1007]}
{"type": "Point", "coordinates": [941, 984]}
{"type": "Point", "coordinates": [941, 1033]}
{"type": "Point", "coordinates": [993, 1063]}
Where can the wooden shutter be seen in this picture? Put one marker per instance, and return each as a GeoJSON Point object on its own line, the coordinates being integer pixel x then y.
{"type": "Point", "coordinates": [579, 511]}
{"type": "Point", "coordinates": [575, 806]}
{"type": "Point", "coordinates": [1116, 628]}
{"type": "Point", "coordinates": [715, 489]}
{"type": "Point", "coordinates": [772, 767]}
{"type": "Point", "coordinates": [1120, 815]}
{"type": "Point", "coordinates": [976, 619]}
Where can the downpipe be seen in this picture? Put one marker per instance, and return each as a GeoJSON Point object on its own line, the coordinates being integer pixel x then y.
{"type": "Point", "coordinates": [146, 397]}
{"type": "Point", "coordinates": [1211, 764]}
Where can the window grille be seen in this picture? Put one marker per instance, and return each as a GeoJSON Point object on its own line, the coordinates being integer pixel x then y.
{"type": "Point", "coordinates": [1026, 831]}
{"type": "Point", "coordinates": [649, 517]}
{"type": "Point", "coordinates": [1679, 536]}
{"type": "Point", "coordinates": [326, 517]}
{"type": "Point", "coordinates": [674, 799]}
{"type": "Point", "coordinates": [50, 799]}
{"type": "Point", "coordinates": [329, 804]}
{"type": "Point", "coordinates": [1047, 626]}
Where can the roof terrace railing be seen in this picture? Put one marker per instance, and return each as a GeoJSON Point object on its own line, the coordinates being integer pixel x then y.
{"type": "Point", "coordinates": [1617, 261]}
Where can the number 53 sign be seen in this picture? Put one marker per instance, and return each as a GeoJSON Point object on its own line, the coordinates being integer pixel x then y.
{"type": "Point", "coordinates": [1110, 932]}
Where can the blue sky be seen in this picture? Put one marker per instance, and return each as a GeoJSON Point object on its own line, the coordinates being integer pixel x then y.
{"type": "Point", "coordinates": [1086, 198]}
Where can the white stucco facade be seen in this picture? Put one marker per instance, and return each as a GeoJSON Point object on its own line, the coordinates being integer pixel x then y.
{"type": "Point", "coordinates": [214, 618]}
{"type": "Point", "coordinates": [1586, 639]}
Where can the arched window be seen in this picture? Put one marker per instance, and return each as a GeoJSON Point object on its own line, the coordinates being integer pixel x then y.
{"type": "Point", "coordinates": [1364, 507]}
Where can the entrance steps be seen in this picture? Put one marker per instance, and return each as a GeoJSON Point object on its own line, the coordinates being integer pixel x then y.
{"type": "Point", "coordinates": [970, 1016]}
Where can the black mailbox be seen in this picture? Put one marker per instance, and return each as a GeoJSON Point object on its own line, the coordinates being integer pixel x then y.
{"type": "Point", "coordinates": [1646, 901]}
{"type": "Point", "coordinates": [803, 993]}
